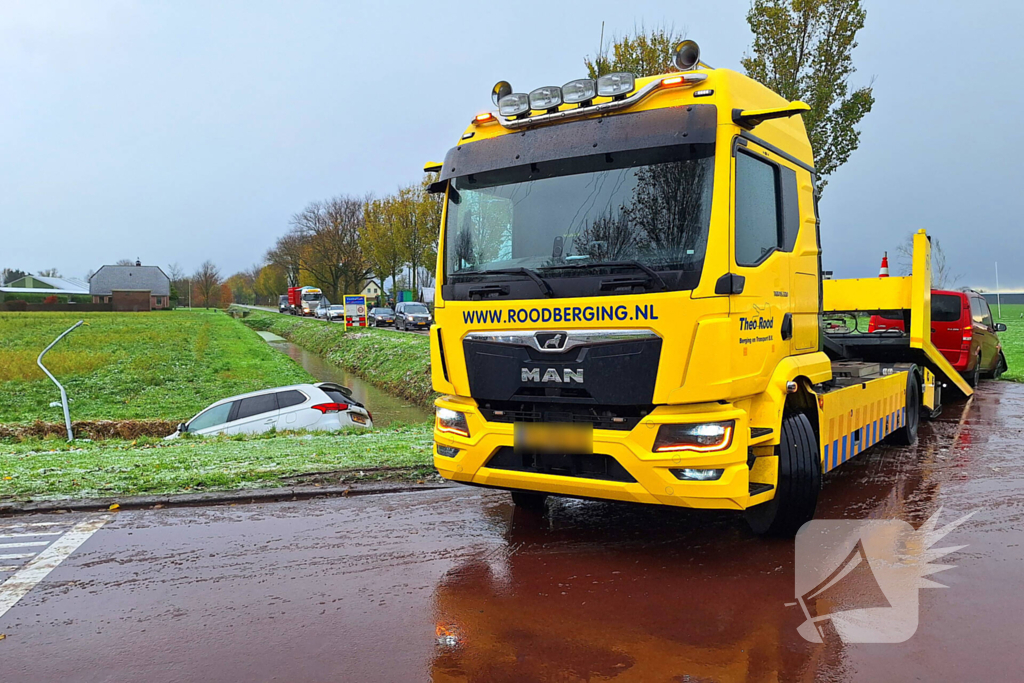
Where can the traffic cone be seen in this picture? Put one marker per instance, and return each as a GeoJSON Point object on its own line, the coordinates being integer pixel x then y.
{"type": "Point", "coordinates": [884, 270]}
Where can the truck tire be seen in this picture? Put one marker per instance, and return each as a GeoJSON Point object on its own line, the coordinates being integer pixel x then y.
{"type": "Point", "coordinates": [907, 434]}
{"type": "Point", "coordinates": [529, 500]}
{"type": "Point", "coordinates": [798, 485]}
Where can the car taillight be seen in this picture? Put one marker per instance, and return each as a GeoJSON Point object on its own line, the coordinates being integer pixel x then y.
{"type": "Point", "coordinates": [331, 407]}
{"type": "Point", "coordinates": [968, 334]}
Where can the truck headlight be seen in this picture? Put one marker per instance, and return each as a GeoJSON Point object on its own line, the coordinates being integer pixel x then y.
{"type": "Point", "coordinates": [580, 90]}
{"type": "Point", "coordinates": [613, 85]}
{"type": "Point", "coordinates": [548, 97]}
{"type": "Point", "coordinates": [451, 421]}
{"type": "Point", "coordinates": [514, 104]}
{"type": "Point", "coordinates": [699, 438]}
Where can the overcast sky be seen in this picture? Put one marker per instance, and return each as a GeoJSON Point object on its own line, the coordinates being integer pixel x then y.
{"type": "Point", "coordinates": [180, 131]}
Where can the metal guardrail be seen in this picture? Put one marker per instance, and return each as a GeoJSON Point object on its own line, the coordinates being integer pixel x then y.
{"type": "Point", "coordinates": [63, 394]}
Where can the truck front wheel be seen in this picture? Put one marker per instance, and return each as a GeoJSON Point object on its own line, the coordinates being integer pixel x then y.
{"type": "Point", "coordinates": [799, 482]}
{"type": "Point", "coordinates": [529, 500]}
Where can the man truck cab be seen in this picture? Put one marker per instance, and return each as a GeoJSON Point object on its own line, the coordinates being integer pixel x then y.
{"type": "Point", "coordinates": [629, 301]}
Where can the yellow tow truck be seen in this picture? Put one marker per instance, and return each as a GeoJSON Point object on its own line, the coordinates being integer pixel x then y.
{"type": "Point", "coordinates": [631, 304]}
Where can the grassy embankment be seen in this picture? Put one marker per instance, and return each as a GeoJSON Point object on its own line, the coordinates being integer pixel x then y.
{"type": "Point", "coordinates": [54, 469]}
{"type": "Point", "coordinates": [395, 362]}
{"type": "Point", "coordinates": [1012, 339]}
{"type": "Point", "coordinates": [162, 365]}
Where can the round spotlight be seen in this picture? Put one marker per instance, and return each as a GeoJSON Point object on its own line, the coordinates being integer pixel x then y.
{"type": "Point", "coordinates": [686, 55]}
{"type": "Point", "coordinates": [500, 89]}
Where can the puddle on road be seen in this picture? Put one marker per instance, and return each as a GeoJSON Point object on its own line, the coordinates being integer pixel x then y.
{"type": "Point", "coordinates": [386, 409]}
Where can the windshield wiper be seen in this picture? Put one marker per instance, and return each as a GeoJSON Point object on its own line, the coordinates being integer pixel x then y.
{"type": "Point", "coordinates": [528, 272]}
{"type": "Point", "coordinates": [653, 274]}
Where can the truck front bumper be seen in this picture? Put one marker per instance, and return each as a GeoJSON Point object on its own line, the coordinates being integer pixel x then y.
{"type": "Point", "coordinates": [652, 472]}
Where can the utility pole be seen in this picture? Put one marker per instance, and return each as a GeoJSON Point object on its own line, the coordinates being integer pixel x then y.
{"type": "Point", "coordinates": [999, 302]}
{"type": "Point", "coordinates": [190, 294]}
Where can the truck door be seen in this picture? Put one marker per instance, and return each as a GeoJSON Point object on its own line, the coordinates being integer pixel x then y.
{"type": "Point", "coordinates": [764, 233]}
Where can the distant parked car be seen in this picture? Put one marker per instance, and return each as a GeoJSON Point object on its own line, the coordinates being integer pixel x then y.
{"type": "Point", "coordinates": [411, 315]}
{"type": "Point", "coordinates": [316, 407]}
{"type": "Point", "coordinates": [335, 312]}
{"type": "Point", "coordinates": [962, 329]}
{"type": "Point", "coordinates": [282, 304]}
{"type": "Point", "coordinates": [380, 316]}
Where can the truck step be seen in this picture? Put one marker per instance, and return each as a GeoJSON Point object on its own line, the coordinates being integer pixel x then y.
{"type": "Point", "coordinates": [756, 488]}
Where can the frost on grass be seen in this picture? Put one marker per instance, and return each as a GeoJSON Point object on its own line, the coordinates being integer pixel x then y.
{"type": "Point", "coordinates": [152, 466]}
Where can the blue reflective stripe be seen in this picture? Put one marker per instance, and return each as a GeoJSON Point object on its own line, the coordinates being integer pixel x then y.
{"type": "Point", "coordinates": [825, 459]}
{"type": "Point", "coordinates": [844, 449]}
{"type": "Point", "coordinates": [835, 452]}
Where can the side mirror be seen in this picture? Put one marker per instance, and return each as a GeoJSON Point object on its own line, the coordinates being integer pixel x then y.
{"type": "Point", "coordinates": [1000, 327]}
{"type": "Point", "coordinates": [181, 427]}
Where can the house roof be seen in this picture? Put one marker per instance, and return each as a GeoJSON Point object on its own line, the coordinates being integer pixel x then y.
{"type": "Point", "coordinates": [109, 278]}
{"type": "Point", "coordinates": [67, 285]}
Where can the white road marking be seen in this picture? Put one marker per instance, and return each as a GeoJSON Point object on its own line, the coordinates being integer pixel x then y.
{"type": "Point", "coordinates": [9, 569]}
{"type": "Point", "coordinates": [16, 557]}
{"type": "Point", "coordinates": [23, 544]}
{"type": "Point", "coordinates": [32, 525]}
{"type": "Point", "coordinates": [17, 586]}
{"type": "Point", "coordinates": [38, 533]}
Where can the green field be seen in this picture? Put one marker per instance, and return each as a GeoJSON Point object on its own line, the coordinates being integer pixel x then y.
{"type": "Point", "coordinates": [52, 468]}
{"type": "Point", "coordinates": [1012, 339]}
{"type": "Point", "coordinates": [166, 364]}
{"type": "Point", "coordinates": [396, 362]}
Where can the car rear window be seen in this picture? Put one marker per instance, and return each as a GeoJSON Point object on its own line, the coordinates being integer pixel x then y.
{"type": "Point", "coordinates": [256, 405]}
{"type": "Point", "coordinates": [287, 399]}
{"type": "Point", "coordinates": [946, 307]}
{"type": "Point", "coordinates": [337, 396]}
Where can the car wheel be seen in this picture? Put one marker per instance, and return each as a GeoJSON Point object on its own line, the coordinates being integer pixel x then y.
{"type": "Point", "coordinates": [974, 375]}
{"type": "Point", "coordinates": [1001, 367]}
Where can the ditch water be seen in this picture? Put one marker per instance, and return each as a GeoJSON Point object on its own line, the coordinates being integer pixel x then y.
{"type": "Point", "coordinates": [386, 409]}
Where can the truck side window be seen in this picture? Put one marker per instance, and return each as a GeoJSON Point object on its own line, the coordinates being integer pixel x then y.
{"type": "Point", "coordinates": [757, 210]}
{"type": "Point", "coordinates": [790, 209]}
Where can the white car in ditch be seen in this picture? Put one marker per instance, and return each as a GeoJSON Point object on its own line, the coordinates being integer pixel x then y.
{"type": "Point", "coordinates": [316, 407]}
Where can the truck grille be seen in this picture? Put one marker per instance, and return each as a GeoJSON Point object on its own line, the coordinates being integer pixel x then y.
{"type": "Point", "coordinates": [622, 418]}
{"type": "Point", "coordinates": [579, 465]}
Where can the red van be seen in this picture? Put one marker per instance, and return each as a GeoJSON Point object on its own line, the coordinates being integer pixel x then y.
{"type": "Point", "coordinates": [962, 329]}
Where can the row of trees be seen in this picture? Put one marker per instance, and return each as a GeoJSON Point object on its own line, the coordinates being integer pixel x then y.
{"type": "Point", "coordinates": [341, 243]}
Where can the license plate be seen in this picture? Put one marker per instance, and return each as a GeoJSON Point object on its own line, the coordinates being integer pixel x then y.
{"type": "Point", "coordinates": [553, 437]}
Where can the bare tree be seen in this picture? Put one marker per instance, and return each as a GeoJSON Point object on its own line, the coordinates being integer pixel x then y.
{"type": "Point", "coordinates": [332, 252]}
{"type": "Point", "coordinates": [287, 255]}
{"type": "Point", "coordinates": [124, 262]}
{"type": "Point", "coordinates": [49, 272]}
{"type": "Point", "coordinates": [206, 280]}
{"type": "Point", "coordinates": [943, 276]}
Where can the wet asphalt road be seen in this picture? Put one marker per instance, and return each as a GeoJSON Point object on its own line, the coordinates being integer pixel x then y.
{"type": "Point", "coordinates": [362, 589]}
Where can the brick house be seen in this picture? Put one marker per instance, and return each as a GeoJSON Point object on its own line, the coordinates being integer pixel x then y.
{"type": "Point", "coordinates": [131, 288]}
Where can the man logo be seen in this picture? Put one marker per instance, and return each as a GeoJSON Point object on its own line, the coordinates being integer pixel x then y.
{"type": "Point", "coordinates": [857, 580]}
{"type": "Point", "coordinates": [550, 341]}
{"type": "Point", "coordinates": [551, 375]}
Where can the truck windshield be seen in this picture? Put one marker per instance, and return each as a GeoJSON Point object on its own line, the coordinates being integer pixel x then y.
{"type": "Point", "coordinates": [646, 210]}
{"type": "Point", "coordinates": [311, 296]}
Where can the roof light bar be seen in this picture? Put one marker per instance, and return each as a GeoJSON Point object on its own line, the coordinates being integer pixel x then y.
{"type": "Point", "coordinates": [643, 93]}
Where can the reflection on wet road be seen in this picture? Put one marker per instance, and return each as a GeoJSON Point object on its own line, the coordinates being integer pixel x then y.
{"type": "Point", "coordinates": [456, 585]}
